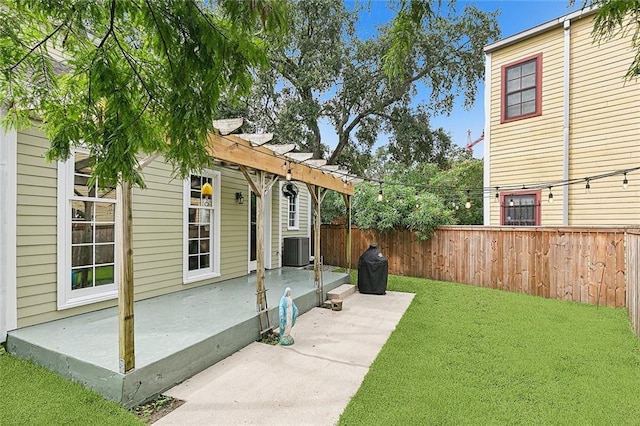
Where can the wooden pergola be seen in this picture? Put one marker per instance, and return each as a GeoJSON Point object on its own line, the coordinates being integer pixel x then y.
{"type": "Point", "coordinates": [262, 165]}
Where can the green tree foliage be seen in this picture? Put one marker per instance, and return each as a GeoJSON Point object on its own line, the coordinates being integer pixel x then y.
{"type": "Point", "coordinates": [419, 198]}
{"type": "Point", "coordinates": [325, 73]}
{"type": "Point", "coordinates": [618, 18]}
{"type": "Point", "coordinates": [123, 77]}
{"type": "Point", "coordinates": [413, 141]}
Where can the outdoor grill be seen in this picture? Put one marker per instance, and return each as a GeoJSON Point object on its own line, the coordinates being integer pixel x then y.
{"type": "Point", "coordinates": [373, 270]}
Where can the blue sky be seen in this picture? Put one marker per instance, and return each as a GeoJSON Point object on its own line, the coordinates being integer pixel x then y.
{"type": "Point", "coordinates": [515, 16]}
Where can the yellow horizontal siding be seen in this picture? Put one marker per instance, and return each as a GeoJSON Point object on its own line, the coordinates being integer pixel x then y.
{"type": "Point", "coordinates": [158, 232]}
{"type": "Point", "coordinates": [158, 239]}
{"type": "Point", "coordinates": [604, 124]}
{"type": "Point", "coordinates": [36, 226]}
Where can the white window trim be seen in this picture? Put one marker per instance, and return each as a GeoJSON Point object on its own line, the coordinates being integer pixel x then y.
{"type": "Point", "coordinates": [68, 298]}
{"type": "Point", "coordinates": [189, 277]}
{"type": "Point", "coordinates": [296, 226]}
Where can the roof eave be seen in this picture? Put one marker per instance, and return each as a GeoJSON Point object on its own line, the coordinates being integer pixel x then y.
{"type": "Point", "coordinates": [558, 22]}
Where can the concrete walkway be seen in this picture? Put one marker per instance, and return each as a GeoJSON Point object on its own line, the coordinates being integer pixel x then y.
{"type": "Point", "coordinates": [309, 383]}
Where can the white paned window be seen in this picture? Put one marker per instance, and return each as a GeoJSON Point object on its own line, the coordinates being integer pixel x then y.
{"type": "Point", "coordinates": [202, 227]}
{"type": "Point", "coordinates": [86, 235]}
{"type": "Point", "coordinates": [293, 215]}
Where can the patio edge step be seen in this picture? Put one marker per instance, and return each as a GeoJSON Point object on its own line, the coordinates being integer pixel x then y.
{"type": "Point", "coordinates": [341, 292]}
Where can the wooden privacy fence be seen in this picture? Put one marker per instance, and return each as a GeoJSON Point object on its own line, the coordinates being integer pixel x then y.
{"type": "Point", "coordinates": [587, 265]}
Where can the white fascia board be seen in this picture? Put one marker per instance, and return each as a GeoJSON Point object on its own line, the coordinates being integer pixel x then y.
{"type": "Point", "coordinates": [531, 32]}
{"type": "Point", "coordinates": [8, 230]}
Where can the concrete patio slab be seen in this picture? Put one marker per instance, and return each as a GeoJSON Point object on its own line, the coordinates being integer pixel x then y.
{"type": "Point", "coordinates": [176, 335]}
{"type": "Point", "coordinates": [309, 383]}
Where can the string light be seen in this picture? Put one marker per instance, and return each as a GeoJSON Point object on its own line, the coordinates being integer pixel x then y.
{"type": "Point", "coordinates": [467, 205]}
{"type": "Point", "coordinates": [497, 197]}
{"type": "Point", "coordinates": [587, 187]}
{"type": "Point", "coordinates": [380, 193]}
{"type": "Point", "coordinates": [550, 195]}
{"type": "Point", "coordinates": [511, 202]}
{"type": "Point", "coordinates": [288, 177]}
{"type": "Point", "coordinates": [625, 182]}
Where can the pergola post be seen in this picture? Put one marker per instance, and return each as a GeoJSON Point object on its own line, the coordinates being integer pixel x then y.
{"type": "Point", "coordinates": [347, 202]}
{"type": "Point", "coordinates": [260, 187]}
{"type": "Point", "coordinates": [124, 268]}
{"type": "Point", "coordinates": [317, 195]}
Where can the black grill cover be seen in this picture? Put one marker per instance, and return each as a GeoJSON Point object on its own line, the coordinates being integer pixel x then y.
{"type": "Point", "coordinates": [373, 269]}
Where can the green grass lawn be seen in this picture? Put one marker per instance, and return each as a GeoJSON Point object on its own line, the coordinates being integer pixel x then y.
{"type": "Point", "coordinates": [468, 355]}
{"type": "Point", "coordinates": [460, 355]}
{"type": "Point", "coordinates": [31, 395]}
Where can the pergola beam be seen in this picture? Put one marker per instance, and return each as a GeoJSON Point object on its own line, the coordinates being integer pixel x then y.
{"type": "Point", "coordinates": [238, 151]}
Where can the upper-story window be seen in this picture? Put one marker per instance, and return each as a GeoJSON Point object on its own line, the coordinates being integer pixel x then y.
{"type": "Point", "coordinates": [521, 209]}
{"type": "Point", "coordinates": [522, 89]}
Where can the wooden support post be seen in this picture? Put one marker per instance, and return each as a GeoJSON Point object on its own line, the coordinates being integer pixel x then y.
{"type": "Point", "coordinates": [261, 297]}
{"type": "Point", "coordinates": [347, 202]}
{"type": "Point", "coordinates": [125, 279]}
{"type": "Point", "coordinates": [317, 194]}
{"type": "Point", "coordinates": [260, 187]}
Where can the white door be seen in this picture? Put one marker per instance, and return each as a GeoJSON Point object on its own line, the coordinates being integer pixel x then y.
{"type": "Point", "coordinates": [253, 228]}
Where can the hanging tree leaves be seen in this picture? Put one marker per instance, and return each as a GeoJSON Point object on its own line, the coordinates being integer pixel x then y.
{"type": "Point", "coordinates": [129, 77]}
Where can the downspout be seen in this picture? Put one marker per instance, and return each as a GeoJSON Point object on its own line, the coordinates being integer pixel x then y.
{"type": "Point", "coordinates": [8, 230]}
{"type": "Point", "coordinates": [565, 128]}
{"type": "Point", "coordinates": [487, 141]}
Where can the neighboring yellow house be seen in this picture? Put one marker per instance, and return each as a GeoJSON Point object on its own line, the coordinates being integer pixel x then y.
{"type": "Point", "coordinates": [57, 245]}
{"type": "Point", "coordinates": [557, 108]}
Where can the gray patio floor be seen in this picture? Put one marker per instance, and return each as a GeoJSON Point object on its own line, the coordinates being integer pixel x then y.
{"type": "Point", "coordinates": [176, 335]}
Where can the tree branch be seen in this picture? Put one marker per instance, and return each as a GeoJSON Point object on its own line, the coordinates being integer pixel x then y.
{"type": "Point", "coordinates": [206, 18]}
{"type": "Point", "coordinates": [34, 48]}
{"type": "Point", "coordinates": [132, 66]}
{"type": "Point", "coordinates": [164, 42]}
{"type": "Point", "coordinates": [112, 12]}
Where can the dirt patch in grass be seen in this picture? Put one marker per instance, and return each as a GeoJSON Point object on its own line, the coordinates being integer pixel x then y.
{"type": "Point", "coordinates": [157, 408]}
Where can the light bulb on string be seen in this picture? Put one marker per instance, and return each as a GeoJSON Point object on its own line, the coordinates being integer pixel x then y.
{"type": "Point", "coordinates": [497, 197]}
{"type": "Point", "coordinates": [288, 177]}
{"type": "Point", "coordinates": [587, 187]}
{"type": "Point", "coordinates": [511, 202]}
{"type": "Point", "coordinates": [625, 182]}
{"type": "Point", "coordinates": [467, 205]}
{"type": "Point", "coordinates": [550, 196]}
{"type": "Point", "coordinates": [380, 193]}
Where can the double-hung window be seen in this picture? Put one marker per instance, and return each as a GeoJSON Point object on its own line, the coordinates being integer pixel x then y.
{"type": "Point", "coordinates": [202, 227]}
{"type": "Point", "coordinates": [522, 89]}
{"type": "Point", "coordinates": [86, 235]}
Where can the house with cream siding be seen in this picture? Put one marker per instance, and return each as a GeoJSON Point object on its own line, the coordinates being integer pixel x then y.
{"type": "Point", "coordinates": [558, 111]}
{"type": "Point", "coordinates": [58, 245]}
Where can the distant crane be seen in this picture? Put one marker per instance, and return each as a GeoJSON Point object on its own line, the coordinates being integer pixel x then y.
{"type": "Point", "coordinates": [471, 144]}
